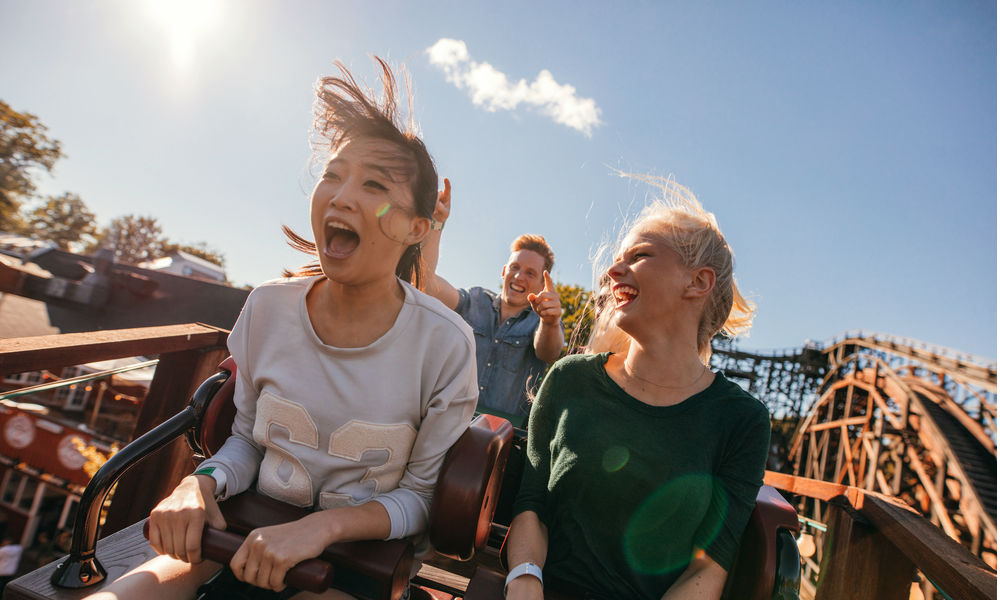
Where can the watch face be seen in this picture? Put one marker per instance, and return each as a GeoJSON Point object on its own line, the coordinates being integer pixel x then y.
{"type": "Point", "coordinates": [19, 431]}
{"type": "Point", "coordinates": [68, 455]}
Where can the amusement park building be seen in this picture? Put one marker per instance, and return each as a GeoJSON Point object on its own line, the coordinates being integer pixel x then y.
{"type": "Point", "coordinates": [48, 436]}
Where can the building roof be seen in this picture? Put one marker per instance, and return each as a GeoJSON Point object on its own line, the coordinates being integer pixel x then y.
{"type": "Point", "coordinates": [129, 297]}
{"type": "Point", "coordinates": [183, 257]}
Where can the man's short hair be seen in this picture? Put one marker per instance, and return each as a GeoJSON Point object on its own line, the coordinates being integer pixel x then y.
{"type": "Point", "coordinates": [535, 243]}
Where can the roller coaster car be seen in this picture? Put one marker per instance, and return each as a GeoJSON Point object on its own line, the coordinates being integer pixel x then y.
{"type": "Point", "coordinates": [464, 502]}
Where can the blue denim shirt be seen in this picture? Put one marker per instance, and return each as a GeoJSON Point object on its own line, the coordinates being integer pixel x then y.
{"type": "Point", "coordinates": [505, 352]}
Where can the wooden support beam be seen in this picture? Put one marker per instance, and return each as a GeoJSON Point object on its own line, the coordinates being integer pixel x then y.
{"type": "Point", "coordinates": [942, 469]}
{"type": "Point", "coordinates": [820, 472]}
{"type": "Point", "coordinates": [865, 451]}
{"type": "Point", "coordinates": [848, 458]}
{"type": "Point", "coordinates": [883, 485]}
{"type": "Point", "coordinates": [944, 561]}
{"type": "Point", "coordinates": [951, 566]}
{"type": "Point", "coordinates": [838, 423]}
{"type": "Point", "coordinates": [849, 398]}
{"type": "Point", "coordinates": [897, 474]}
{"type": "Point", "coordinates": [937, 505]}
{"type": "Point", "coordinates": [876, 453]}
{"type": "Point", "coordinates": [859, 562]}
{"type": "Point", "coordinates": [803, 486]}
{"type": "Point", "coordinates": [138, 491]}
{"type": "Point", "coordinates": [812, 466]}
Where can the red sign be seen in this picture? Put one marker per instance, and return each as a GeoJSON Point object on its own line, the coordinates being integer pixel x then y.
{"type": "Point", "coordinates": [45, 445]}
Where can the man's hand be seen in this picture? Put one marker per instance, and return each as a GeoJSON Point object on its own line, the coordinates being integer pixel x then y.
{"type": "Point", "coordinates": [546, 303]}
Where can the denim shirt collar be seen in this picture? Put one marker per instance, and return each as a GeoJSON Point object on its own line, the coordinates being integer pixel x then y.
{"type": "Point", "coordinates": [498, 304]}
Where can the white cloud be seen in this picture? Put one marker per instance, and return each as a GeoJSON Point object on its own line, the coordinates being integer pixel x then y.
{"type": "Point", "coordinates": [492, 90]}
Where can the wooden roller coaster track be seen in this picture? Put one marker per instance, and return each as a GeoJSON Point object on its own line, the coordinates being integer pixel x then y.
{"type": "Point", "coordinates": [887, 414]}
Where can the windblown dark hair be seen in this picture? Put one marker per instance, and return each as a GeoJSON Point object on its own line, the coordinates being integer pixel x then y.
{"type": "Point", "coordinates": [344, 110]}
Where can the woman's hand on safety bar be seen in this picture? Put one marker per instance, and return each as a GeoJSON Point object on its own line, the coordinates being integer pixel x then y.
{"type": "Point", "coordinates": [177, 522]}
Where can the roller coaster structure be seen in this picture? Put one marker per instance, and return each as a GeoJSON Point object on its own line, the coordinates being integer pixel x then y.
{"type": "Point", "coordinates": [888, 414]}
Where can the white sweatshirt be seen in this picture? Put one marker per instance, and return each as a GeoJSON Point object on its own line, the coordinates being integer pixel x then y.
{"type": "Point", "coordinates": [330, 427]}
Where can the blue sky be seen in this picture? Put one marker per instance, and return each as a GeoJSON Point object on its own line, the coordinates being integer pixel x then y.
{"type": "Point", "coordinates": [848, 149]}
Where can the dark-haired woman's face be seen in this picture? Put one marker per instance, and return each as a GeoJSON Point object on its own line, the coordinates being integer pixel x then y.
{"type": "Point", "coordinates": [362, 211]}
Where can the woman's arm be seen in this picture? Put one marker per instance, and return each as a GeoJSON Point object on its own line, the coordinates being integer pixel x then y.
{"type": "Point", "coordinates": [269, 552]}
{"type": "Point", "coordinates": [741, 473]}
{"type": "Point", "coordinates": [527, 541]}
{"type": "Point", "coordinates": [176, 523]}
{"type": "Point", "coordinates": [447, 411]}
{"type": "Point", "coordinates": [240, 456]}
{"type": "Point", "coordinates": [703, 579]}
{"type": "Point", "coordinates": [528, 538]}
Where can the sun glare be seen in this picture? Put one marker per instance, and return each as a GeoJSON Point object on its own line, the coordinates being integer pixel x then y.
{"type": "Point", "coordinates": [186, 23]}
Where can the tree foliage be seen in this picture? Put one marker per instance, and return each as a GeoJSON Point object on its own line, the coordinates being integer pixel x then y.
{"type": "Point", "coordinates": [25, 151]}
{"type": "Point", "coordinates": [61, 219]}
{"type": "Point", "coordinates": [576, 314]}
{"type": "Point", "coordinates": [134, 239]}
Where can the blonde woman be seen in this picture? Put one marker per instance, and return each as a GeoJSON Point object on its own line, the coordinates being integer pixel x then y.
{"type": "Point", "coordinates": [642, 464]}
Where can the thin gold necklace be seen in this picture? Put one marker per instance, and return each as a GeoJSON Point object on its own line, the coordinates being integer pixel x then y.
{"type": "Point", "coordinates": [660, 385]}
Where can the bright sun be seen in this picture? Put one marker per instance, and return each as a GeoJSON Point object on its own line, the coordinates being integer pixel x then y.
{"type": "Point", "coordinates": [186, 23]}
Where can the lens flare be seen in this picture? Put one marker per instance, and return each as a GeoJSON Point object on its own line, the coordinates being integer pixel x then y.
{"type": "Point", "coordinates": [691, 507]}
{"type": "Point", "coordinates": [394, 222]}
{"type": "Point", "coordinates": [615, 458]}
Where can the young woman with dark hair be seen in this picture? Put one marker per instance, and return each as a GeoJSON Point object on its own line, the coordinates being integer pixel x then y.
{"type": "Point", "coordinates": [351, 383]}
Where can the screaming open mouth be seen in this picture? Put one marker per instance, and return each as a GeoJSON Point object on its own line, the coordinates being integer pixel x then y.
{"type": "Point", "coordinates": [341, 240]}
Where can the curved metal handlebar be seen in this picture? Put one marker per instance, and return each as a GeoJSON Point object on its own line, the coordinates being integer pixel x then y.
{"type": "Point", "coordinates": [81, 568]}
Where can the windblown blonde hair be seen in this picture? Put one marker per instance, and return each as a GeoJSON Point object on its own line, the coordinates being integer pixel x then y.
{"type": "Point", "coordinates": [693, 233]}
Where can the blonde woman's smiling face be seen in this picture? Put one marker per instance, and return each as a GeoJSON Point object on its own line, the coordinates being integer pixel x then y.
{"type": "Point", "coordinates": [648, 279]}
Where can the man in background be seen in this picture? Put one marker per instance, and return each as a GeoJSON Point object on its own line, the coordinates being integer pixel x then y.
{"type": "Point", "coordinates": [518, 332]}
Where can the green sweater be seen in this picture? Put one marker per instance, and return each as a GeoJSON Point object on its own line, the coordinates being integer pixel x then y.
{"type": "Point", "coordinates": [630, 491]}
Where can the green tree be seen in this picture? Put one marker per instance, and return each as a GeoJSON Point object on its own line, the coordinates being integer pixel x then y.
{"type": "Point", "coordinates": [576, 313]}
{"type": "Point", "coordinates": [134, 239]}
{"type": "Point", "coordinates": [201, 250]}
{"type": "Point", "coordinates": [61, 219]}
{"type": "Point", "coordinates": [25, 151]}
